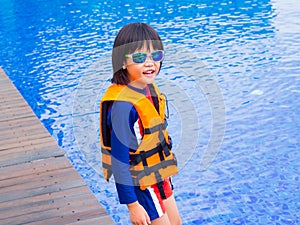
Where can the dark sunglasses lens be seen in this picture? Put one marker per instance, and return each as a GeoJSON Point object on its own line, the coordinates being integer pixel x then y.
{"type": "Point", "coordinates": [157, 56]}
{"type": "Point", "coordinates": [139, 57]}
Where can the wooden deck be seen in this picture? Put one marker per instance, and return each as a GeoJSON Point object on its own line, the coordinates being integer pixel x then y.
{"type": "Point", "coordinates": [38, 184]}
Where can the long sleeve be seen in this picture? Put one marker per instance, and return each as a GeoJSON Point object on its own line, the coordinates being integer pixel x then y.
{"type": "Point", "coordinates": [122, 117]}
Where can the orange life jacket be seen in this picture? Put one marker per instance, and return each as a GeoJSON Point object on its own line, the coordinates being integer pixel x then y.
{"type": "Point", "coordinates": [153, 160]}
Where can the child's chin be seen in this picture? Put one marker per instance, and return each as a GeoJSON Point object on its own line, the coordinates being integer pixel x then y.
{"type": "Point", "coordinates": [149, 80]}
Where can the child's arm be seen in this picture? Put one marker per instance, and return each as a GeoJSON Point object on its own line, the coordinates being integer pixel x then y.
{"type": "Point", "coordinates": [123, 118]}
{"type": "Point", "coordinates": [121, 141]}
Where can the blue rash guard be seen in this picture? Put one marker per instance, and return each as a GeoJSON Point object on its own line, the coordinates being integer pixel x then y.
{"type": "Point", "coordinates": [123, 121]}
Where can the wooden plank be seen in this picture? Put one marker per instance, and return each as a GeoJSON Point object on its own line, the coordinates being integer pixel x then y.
{"type": "Point", "coordinates": [15, 109]}
{"type": "Point", "coordinates": [3, 76]}
{"type": "Point", "coordinates": [9, 96]}
{"type": "Point", "coordinates": [24, 120]}
{"type": "Point", "coordinates": [48, 201]}
{"type": "Point", "coordinates": [16, 116]}
{"type": "Point", "coordinates": [11, 103]}
{"type": "Point", "coordinates": [37, 166]}
{"type": "Point", "coordinates": [23, 155]}
{"type": "Point", "coordinates": [106, 220]}
{"type": "Point", "coordinates": [20, 203]}
{"type": "Point", "coordinates": [21, 136]}
{"type": "Point", "coordinates": [62, 218]}
{"type": "Point", "coordinates": [38, 180]}
{"type": "Point", "coordinates": [7, 112]}
{"type": "Point", "coordinates": [27, 142]}
{"type": "Point", "coordinates": [72, 211]}
{"type": "Point", "coordinates": [38, 185]}
{"type": "Point", "coordinates": [21, 124]}
{"type": "Point", "coordinates": [20, 207]}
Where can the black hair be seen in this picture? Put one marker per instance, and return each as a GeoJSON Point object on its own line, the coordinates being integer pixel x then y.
{"type": "Point", "coordinates": [130, 38]}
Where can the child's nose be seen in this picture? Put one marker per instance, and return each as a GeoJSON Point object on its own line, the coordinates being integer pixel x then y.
{"type": "Point", "coordinates": [149, 60]}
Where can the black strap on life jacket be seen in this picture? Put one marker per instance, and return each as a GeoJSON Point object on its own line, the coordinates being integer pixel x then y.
{"type": "Point", "coordinates": [160, 186]}
{"type": "Point", "coordinates": [154, 169]}
{"type": "Point", "coordinates": [105, 151]}
{"type": "Point", "coordinates": [158, 127]}
{"type": "Point", "coordinates": [148, 170]}
{"type": "Point", "coordinates": [158, 177]}
{"type": "Point", "coordinates": [106, 166]}
{"type": "Point", "coordinates": [163, 144]}
{"type": "Point", "coordinates": [143, 155]}
{"type": "Point", "coordinates": [105, 130]}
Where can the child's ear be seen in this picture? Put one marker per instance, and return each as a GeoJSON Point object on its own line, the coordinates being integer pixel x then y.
{"type": "Point", "coordinates": [124, 67]}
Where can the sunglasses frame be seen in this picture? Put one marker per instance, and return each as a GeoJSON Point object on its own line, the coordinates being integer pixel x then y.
{"type": "Point", "coordinates": [147, 54]}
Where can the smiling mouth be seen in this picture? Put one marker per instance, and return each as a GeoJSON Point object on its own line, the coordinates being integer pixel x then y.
{"type": "Point", "coordinates": [149, 72]}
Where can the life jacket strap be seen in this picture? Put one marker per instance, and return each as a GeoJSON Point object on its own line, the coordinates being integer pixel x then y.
{"type": "Point", "coordinates": [148, 170]}
{"type": "Point", "coordinates": [106, 166]}
{"type": "Point", "coordinates": [160, 186]}
{"type": "Point", "coordinates": [158, 127]}
{"type": "Point", "coordinates": [108, 170]}
{"type": "Point", "coordinates": [141, 157]}
{"type": "Point", "coordinates": [105, 151]}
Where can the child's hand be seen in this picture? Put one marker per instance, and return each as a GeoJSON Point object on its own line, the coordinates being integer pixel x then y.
{"type": "Point", "coordinates": [138, 214]}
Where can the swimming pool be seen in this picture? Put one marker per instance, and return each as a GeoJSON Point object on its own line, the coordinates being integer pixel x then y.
{"type": "Point", "coordinates": [232, 71]}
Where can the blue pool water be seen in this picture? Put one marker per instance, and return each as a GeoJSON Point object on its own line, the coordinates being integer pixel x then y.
{"type": "Point", "coordinates": [232, 77]}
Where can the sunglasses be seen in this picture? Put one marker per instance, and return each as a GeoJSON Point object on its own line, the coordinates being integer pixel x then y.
{"type": "Point", "coordinates": [140, 57]}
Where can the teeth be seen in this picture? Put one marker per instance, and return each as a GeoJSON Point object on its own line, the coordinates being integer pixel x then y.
{"type": "Point", "coordinates": [149, 71]}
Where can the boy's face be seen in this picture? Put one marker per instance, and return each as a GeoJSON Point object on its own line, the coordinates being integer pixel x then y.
{"type": "Point", "coordinates": [141, 74]}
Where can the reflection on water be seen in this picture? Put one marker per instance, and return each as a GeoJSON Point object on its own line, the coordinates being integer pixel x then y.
{"type": "Point", "coordinates": [231, 75]}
